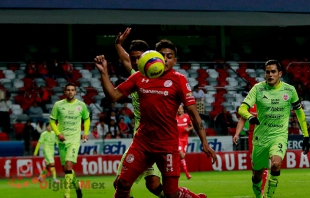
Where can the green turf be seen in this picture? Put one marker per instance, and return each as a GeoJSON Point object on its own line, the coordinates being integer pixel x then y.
{"type": "Point", "coordinates": [226, 184]}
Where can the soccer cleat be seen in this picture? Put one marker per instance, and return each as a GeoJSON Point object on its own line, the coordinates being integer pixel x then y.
{"type": "Point", "coordinates": [40, 179]}
{"type": "Point", "coordinates": [56, 181]}
{"type": "Point", "coordinates": [201, 195]}
{"type": "Point", "coordinates": [79, 193]}
{"type": "Point", "coordinates": [188, 176]}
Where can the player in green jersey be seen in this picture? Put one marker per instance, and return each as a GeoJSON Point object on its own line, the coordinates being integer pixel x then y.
{"type": "Point", "coordinates": [69, 113]}
{"type": "Point", "coordinates": [48, 139]}
{"type": "Point", "coordinates": [274, 99]}
{"type": "Point", "coordinates": [152, 175]}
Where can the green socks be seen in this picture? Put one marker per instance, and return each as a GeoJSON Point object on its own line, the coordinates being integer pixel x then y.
{"type": "Point", "coordinates": [272, 185]}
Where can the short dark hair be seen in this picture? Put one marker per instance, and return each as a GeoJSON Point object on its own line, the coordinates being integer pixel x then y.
{"type": "Point", "coordinates": [165, 43]}
{"type": "Point", "coordinates": [70, 84]}
{"type": "Point", "coordinates": [138, 45]}
{"type": "Point", "coordinates": [273, 62]}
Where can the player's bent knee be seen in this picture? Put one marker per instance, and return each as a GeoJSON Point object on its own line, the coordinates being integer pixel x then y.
{"type": "Point", "coordinates": [153, 184]}
{"type": "Point", "coordinates": [276, 166]}
{"type": "Point", "coordinates": [115, 182]}
{"type": "Point", "coordinates": [123, 184]}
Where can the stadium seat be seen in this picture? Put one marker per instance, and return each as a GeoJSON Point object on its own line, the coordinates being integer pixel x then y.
{"type": "Point", "coordinates": [231, 131]}
{"type": "Point", "coordinates": [20, 74]}
{"type": "Point", "coordinates": [50, 82]}
{"type": "Point", "coordinates": [6, 83]}
{"type": "Point", "coordinates": [27, 83]}
{"type": "Point", "coordinates": [4, 136]}
{"type": "Point", "coordinates": [9, 74]}
{"type": "Point", "coordinates": [18, 129]}
{"type": "Point", "coordinates": [210, 132]}
{"type": "Point", "coordinates": [13, 66]}
{"type": "Point", "coordinates": [195, 66]}
{"type": "Point", "coordinates": [17, 83]}
{"type": "Point", "coordinates": [89, 66]}
{"type": "Point", "coordinates": [185, 66]}
{"type": "Point", "coordinates": [293, 131]}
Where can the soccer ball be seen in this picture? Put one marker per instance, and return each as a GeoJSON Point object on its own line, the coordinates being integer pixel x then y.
{"type": "Point", "coordinates": [151, 64]}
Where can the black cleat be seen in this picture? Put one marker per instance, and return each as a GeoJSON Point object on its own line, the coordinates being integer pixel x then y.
{"type": "Point", "coordinates": [79, 193]}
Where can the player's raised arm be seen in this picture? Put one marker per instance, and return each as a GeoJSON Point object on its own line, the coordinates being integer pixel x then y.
{"type": "Point", "coordinates": [122, 54]}
{"type": "Point", "coordinates": [197, 123]}
{"type": "Point", "coordinates": [108, 88]}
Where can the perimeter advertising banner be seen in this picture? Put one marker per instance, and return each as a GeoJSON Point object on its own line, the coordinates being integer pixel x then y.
{"type": "Point", "coordinates": [16, 167]}
{"type": "Point", "coordinates": [119, 146]}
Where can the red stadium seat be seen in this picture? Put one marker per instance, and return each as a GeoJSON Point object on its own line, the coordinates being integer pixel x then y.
{"type": "Point", "coordinates": [213, 114]}
{"type": "Point", "coordinates": [27, 82]}
{"type": "Point", "coordinates": [13, 66]}
{"type": "Point", "coordinates": [89, 66]}
{"type": "Point", "coordinates": [231, 131]}
{"type": "Point", "coordinates": [4, 136]}
{"type": "Point", "coordinates": [18, 128]}
{"type": "Point", "coordinates": [185, 66]}
{"type": "Point", "coordinates": [50, 82]}
{"type": "Point", "coordinates": [210, 132]}
{"type": "Point", "coordinates": [293, 131]}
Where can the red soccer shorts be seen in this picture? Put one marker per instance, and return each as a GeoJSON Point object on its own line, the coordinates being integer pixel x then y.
{"type": "Point", "coordinates": [138, 160]}
{"type": "Point", "coordinates": [183, 145]}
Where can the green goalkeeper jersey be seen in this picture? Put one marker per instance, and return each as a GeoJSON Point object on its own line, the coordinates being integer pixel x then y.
{"type": "Point", "coordinates": [69, 116]}
{"type": "Point", "coordinates": [48, 139]}
{"type": "Point", "coordinates": [273, 109]}
{"type": "Point", "coordinates": [135, 104]}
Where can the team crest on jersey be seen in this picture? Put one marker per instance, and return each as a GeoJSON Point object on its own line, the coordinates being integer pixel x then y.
{"type": "Point", "coordinates": [168, 83]}
{"type": "Point", "coordinates": [130, 158]}
{"type": "Point", "coordinates": [285, 97]}
{"type": "Point", "coordinates": [79, 108]}
{"type": "Point", "coordinates": [188, 87]}
{"type": "Point", "coordinates": [184, 119]}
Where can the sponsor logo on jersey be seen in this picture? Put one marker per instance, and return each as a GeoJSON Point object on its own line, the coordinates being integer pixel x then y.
{"type": "Point", "coordinates": [169, 169]}
{"type": "Point", "coordinates": [275, 108]}
{"type": "Point", "coordinates": [150, 91]}
{"type": "Point", "coordinates": [145, 80]}
{"type": "Point", "coordinates": [275, 125]}
{"type": "Point", "coordinates": [275, 101]}
{"type": "Point", "coordinates": [274, 116]}
{"type": "Point", "coordinates": [288, 89]}
{"type": "Point", "coordinates": [188, 87]}
{"type": "Point", "coordinates": [168, 83]}
{"type": "Point", "coordinates": [130, 158]}
{"type": "Point", "coordinates": [285, 97]}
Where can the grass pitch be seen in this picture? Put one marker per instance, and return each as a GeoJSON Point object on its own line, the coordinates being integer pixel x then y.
{"type": "Point", "coordinates": [227, 184]}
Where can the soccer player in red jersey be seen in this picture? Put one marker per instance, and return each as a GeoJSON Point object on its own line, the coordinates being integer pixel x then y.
{"type": "Point", "coordinates": [157, 137]}
{"type": "Point", "coordinates": [184, 127]}
{"type": "Point", "coordinates": [239, 128]}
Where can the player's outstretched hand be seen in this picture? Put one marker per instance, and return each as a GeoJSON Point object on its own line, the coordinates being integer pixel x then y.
{"type": "Point", "coordinates": [254, 120]}
{"type": "Point", "coordinates": [122, 36]}
{"type": "Point", "coordinates": [210, 152]}
{"type": "Point", "coordinates": [84, 138]}
{"type": "Point", "coordinates": [101, 64]}
{"type": "Point", "coordinates": [235, 139]}
{"type": "Point", "coordinates": [61, 137]}
{"type": "Point", "coordinates": [305, 145]}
